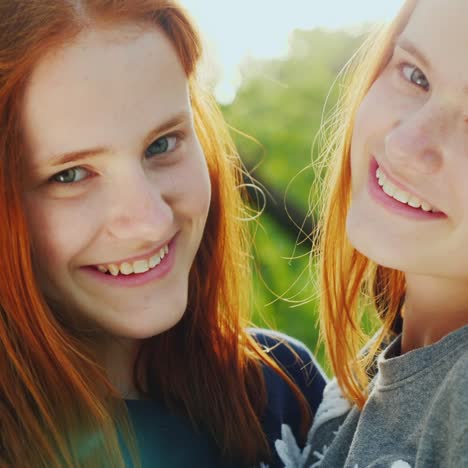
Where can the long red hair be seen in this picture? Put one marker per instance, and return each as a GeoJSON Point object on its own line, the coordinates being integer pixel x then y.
{"type": "Point", "coordinates": [57, 406]}
{"type": "Point", "coordinates": [345, 273]}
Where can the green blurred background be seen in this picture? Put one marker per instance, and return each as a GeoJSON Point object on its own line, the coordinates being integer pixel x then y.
{"type": "Point", "coordinates": [280, 104]}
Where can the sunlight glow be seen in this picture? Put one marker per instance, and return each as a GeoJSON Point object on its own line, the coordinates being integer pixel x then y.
{"type": "Point", "coordinates": [261, 28]}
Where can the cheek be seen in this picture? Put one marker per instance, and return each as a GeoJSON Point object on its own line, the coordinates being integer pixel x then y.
{"type": "Point", "coordinates": [381, 110]}
{"type": "Point", "coordinates": [367, 120]}
{"type": "Point", "coordinates": [55, 238]}
{"type": "Point", "coordinates": [194, 187]}
{"type": "Point", "coordinates": [200, 197]}
{"type": "Point", "coordinates": [42, 232]}
{"type": "Point", "coordinates": [360, 151]}
{"type": "Point", "coordinates": [374, 119]}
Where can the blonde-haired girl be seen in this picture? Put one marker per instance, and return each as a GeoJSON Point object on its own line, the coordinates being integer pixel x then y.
{"type": "Point", "coordinates": [396, 225]}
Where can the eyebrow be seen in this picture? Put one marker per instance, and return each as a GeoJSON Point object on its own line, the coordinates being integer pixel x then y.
{"type": "Point", "coordinates": [405, 44]}
{"type": "Point", "coordinates": [73, 156]}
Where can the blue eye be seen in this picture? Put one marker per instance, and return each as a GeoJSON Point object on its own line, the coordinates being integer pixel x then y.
{"type": "Point", "coordinates": [162, 145]}
{"type": "Point", "coordinates": [70, 176]}
{"type": "Point", "coordinates": [416, 76]}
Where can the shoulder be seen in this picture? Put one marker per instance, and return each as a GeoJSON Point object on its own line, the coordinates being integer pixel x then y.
{"type": "Point", "coordinates": [452, 394]}
{"type": "Point", "coordinates": [287, 350]}
{"type": "Point", "coordinates": [283, 416]}
{"type": "Point", "coordinates": [296, 360]}
{"type": "Point", "coordinates": [458, 375]}
{"type": "Point", "coordinates": [445, 437]}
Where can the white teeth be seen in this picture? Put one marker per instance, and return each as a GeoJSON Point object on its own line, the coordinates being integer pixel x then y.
{"type": "Point", "coordinates": [388, 188]}
{"type": "Point", "coordinates": [114, 269]}
{"type": "Point", "coordinates": [414, 202]}
{"type": "Point", "coordinates": [426, 207]}
{"type": "Point", "coordinates": [126, 268]}
{"type": "Point", "coordinates": [139, 266]}
{"type": "Point", "coordinates": [403, 197]}
{"type": "Point", "coordinates": [154, 260]}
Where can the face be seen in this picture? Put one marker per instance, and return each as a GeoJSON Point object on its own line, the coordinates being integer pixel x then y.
{"type": "Point", "coordinates": [117, 190]}
{"type": "Point", "coordinates": [409, 154]}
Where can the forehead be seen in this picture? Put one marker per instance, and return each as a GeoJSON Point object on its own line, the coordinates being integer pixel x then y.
{"type": "Point", "coordinates": [104, 88]}
{"type": "Point", "coordinates": [439, 29]}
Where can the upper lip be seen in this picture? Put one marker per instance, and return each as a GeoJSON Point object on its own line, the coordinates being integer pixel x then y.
{"type": "Point", "coordinates": [397, 183]}
{"type": "Point", "coordinates": [139, 257]}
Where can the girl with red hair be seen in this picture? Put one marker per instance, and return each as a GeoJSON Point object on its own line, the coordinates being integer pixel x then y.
{"type": "Point", "coordinates": [395, 229]}
{"type": "Point", "coordinates": [125, 268]}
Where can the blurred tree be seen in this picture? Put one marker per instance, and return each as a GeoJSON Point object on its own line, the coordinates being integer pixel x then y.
{"type": "Point", "coordinates": [280, 104]}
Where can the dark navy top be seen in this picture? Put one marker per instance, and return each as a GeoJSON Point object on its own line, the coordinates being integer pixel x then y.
{"type": "Point", "coordinates": [166, 440]}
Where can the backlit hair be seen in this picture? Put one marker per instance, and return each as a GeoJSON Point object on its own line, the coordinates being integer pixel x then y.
{"type": "Point", "coordinates": [57, 406]}
{"type": "Point", "coordinates": [344, 272]}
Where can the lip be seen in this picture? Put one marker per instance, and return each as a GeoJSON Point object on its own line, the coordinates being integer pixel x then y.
{"type": "Point", "coordinates": [138, 257]}
{"type": "Point", "coordinates": [377, 194]}
{"type": "Point", "coordinates": [138, 279]}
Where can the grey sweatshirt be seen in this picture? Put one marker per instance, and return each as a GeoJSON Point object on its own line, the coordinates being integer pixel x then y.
{"type": "Point", "coordinates": [416, 415]}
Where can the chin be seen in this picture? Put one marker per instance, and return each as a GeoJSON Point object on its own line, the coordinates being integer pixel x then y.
{"type": "Point", "coordinates": [162, 326]}
{"type": "Point", "coordinates": [146, 323]}
{"type": "Point", "coordinates": [144, 331]}
{"type": "Point", "coordinates": [369, 241]}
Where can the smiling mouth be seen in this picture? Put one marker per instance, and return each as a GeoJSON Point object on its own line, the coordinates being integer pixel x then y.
{"type": "Point", "coordinates": [136, 267]}
{"type": "Point", "coordinates": [400, 195]}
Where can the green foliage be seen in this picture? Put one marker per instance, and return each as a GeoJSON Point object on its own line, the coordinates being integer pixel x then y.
{"type": "Point", "coordinates": [280, 104]}
{"type": "Point", "coordinates": [284, 298]}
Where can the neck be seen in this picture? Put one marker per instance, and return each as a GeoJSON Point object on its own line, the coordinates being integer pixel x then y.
{"type": "Point", "coordinates": [434, 307]}
{"type": "Point", "coordinates": [118, 357]}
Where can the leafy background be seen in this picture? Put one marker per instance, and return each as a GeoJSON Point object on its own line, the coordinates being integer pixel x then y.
{"type": "Point", "coordinates": [280, 105]}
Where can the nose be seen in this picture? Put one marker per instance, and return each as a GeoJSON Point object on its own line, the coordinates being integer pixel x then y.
{"type": "Point", "coordinates": [416, 142]}
{"type": "Point", "coordinates": [139, 210]}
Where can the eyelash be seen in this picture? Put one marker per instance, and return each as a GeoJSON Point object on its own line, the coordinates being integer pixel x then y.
{"type": "Point", "coordinates": [177, 135]}
{"type": "Point", "coordinates": [75, 169]}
